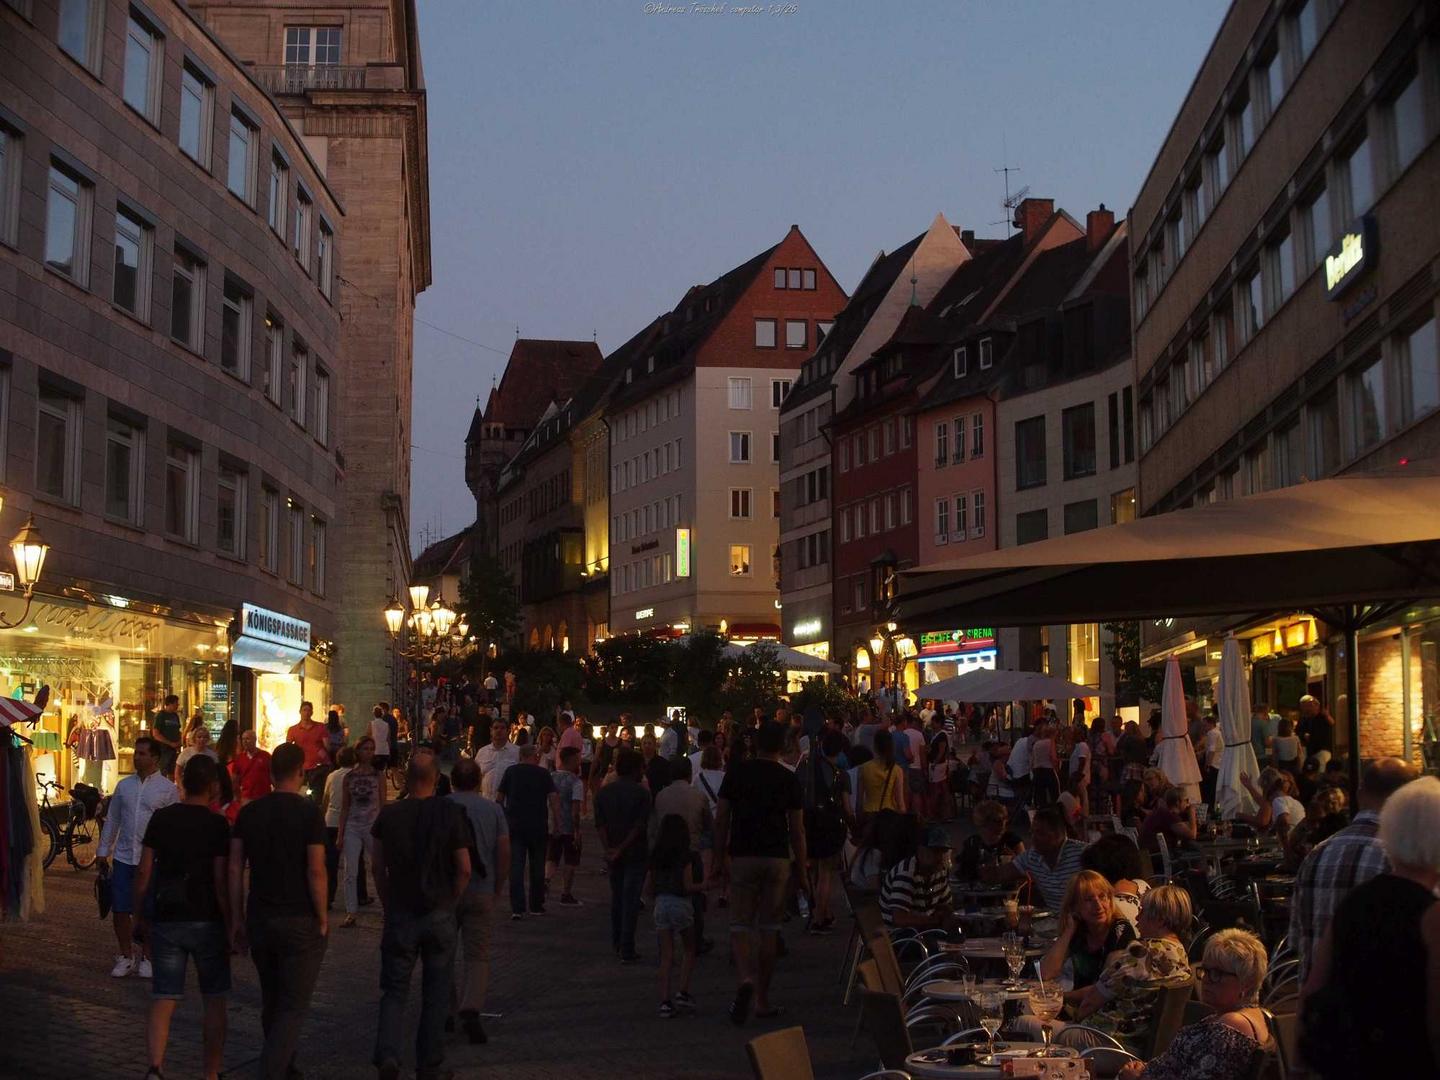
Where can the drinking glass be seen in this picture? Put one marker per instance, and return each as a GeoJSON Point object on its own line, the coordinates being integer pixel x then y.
{"type": "Point", "coordinates": [967, 985]}
{"type": "Point", "coordinates": [1045, 1003]}
{"type": "Point", "coordinates": [992, 1014]}
{"type": "Point", "coordinates": [1014, 952]}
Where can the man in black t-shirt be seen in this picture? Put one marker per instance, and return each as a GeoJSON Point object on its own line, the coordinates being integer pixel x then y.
{"type": "Point", "coordinates": [422, 866]}
{"type": "Point", "coordinates": [759, 831]}
{"type": "Point", "coordinates": [528, 795]}
{"type": "Point", "coordinates": [186, 847]}
{"type": "Point", "coordinates": [622, 816]}
{"type": "Point", "coordinates": [282, 836]}
{"type": "Point", "coordinates": [165, 730]}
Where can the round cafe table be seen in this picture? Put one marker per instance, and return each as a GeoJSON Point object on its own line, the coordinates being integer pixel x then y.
{"type": "Point", "coordinates": [990, 948]}
{"type": "Point", "coordinates": [934, 1065]}
{"type": "Point", "coordinates": [954, 990]}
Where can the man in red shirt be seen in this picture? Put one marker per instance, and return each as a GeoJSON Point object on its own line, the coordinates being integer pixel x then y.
{"type": "Point", "coordinates": [310, 735]}
{"type": "Point", "coordinates": [250, 771]}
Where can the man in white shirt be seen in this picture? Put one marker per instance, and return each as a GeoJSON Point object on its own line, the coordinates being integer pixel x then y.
{"type": "Point", "coordinates": [380, 732]}
{"type": "Point", "coordinates": [1018, 766]}
{"type": "Point", "coordinates": [491, 685]}
{"type": "Point", "coordinates": [135, 799]}
{"type": "Point", "coordinates": [495, 757]}
{"type": "Point", "coordinates": [1212, 748]}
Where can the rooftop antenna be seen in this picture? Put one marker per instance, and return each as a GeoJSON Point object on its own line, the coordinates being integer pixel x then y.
{"type": "Point", "coordinates": [1010, 201]}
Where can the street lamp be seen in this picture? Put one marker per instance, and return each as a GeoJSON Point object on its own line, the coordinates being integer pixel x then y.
{"type": "Point", "coordinates": [444, 619]}
{"type": "Point", "coordinates": [463, 628]}
{"type": "Point", "coordinates": [395, 617]}
{"type": "Point", "coordinates": [29, 549]}
{"type": "Point", "coordinates": [418, 595]}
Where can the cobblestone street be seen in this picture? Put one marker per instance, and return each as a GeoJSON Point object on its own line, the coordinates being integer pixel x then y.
{"type": "Point", "coordinates": [570, 1010]}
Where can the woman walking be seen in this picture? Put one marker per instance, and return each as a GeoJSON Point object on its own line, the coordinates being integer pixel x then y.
{"type": "Point", "coordinates": [361, 797]}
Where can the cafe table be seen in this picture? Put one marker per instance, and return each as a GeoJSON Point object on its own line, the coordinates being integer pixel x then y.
{"type": "Point", "coordinates": [982, 892]}
{"type": "Point", "coordinates": [990, 948]}
{"type": "Point", "coordinates": [934, 1064]}
{"type": "Point", "coordinates": [954, 990]}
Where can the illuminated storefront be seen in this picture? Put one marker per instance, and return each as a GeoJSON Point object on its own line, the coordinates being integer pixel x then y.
{"type": "Point", "coordinates": [945, 653]}
{"type": "Point", "coordinates": [275, 671]}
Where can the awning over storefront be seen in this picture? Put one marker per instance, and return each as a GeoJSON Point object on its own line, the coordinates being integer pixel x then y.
{"type": "Point", "coordinates": [1349, 540]}
{"type": "Point", "coordinates": [270, 641]}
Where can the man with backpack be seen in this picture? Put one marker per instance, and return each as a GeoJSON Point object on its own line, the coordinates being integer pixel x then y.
{"type": "Point", "coordinates": [825, 789]}
{"type": "Point", "coordinates": [475, 913]}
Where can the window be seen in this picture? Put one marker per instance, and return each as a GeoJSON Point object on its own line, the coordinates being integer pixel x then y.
{"type": "Point", "coordinates": [962, 516]}
{"type": "Point", "coordinates": [905, 512]}
{"type": "Point", "coordinates": [1030, 453]}
{"type": "Point", "coordinates": [295, 519]}
{"type": "Point", "coordinates": [739, 502]}
{"type": "Point", "coordinates": [977, 435]}
{"type": "Point", "coordinates": [845, 525]}
{"type": "Point", "coordinates": [304, 212]}
{"type": "Point", "coordinates": [858, 590]}
{"type": "Point", "coordinates": [1315, 227]}
{"type": "Point", "coordinates": [235, 320]}
{"type": "Point", "coordinates": [182, 492]}
{"type": "Point", "coordinates": [1128, 411]}
{"type": "Point", "coordinates": [1031, 526]}
{"type": "Point", "coordinates": [778, 389]}
{"type": "Point", "coordinates": [1141, 289]}
{"type": "Point", "coordinates": [325, 260]}
{"type": "Point", "coordinates": [124, 470]}
{"type": "Point", "coordinates": [1197, 203]}
{"type": "Point", "coordinates": [986, 357]}
{"type": "Point", "coordinates": [959, 424]}
{"type": "Point", "coordinates": [270, 530]}
{"type": "Point", "coordinates": [279, 192]}
{"type": "Point", "coordinates": [779, 277]}
{"type": "Point", "coordinates": [765, 333]}
{"type": "Point", "coordinates": [809, 278]}
{"type": "Point", "coordinates": [67, 224]}
{"type": "Point", "coordinates": [133, 245]}
{"type": "Point", "coordinates": [796, 334]}
{"type": "Point", "coordinates": [1252, 303]}
{"type": "Point", "coordinates": [874, 516]}
{"type": "Point", "coordinates": [774, 448]}
{"type": "Point", "coordinates": [1257, 469]}
{"type": "Point", "coordinates": [977, 510]}
{"type": "Point", "coordinates": [79, 31]}
{"type": "Point", "coordinates": [961, 362]}
{"type": "Point", "coordinates": [1280, 267]}
{"type": "Point", "coordinates": [1162, 406]}
{"type": "Point", "coordinates": [1217, 168]}
{"type": "Point", "coordinates": [1122, 506]}
{"type": "Point", "coordinates": [272, 358]}
{"type": "Point", "coordinates": [775, 502]}
{"type": "Point", "coordinates": [942, 444]}
{"type": "Point", "coordinates": [740, 393]}
{"type": "Point", "coordinates": [793, 280]}
{"type": "Point", "coordinates": [1306, 23]}
{"type": "Point", "coordinates": [1270, 80]}
{"type": "Point", "coordinates": [889, 436]}
{"type": "Point", "coordinates": [942, 521]}
{"type": "Point", "coordinates": [739, 560]}
{"type": "Point", "coordinates": [1243, 127]}
{"type": "Point", "coordinates": [144, 55]}
{"type": "Point", "coordinates": [891, 509]}
{"type": "Point", "coordinates": [1405, 125]}
{"type": "Point", "coordinates": [1222, 335]}
{"type": "Point", "coordinates": [1322, 418]}
{"type": "Point", "coordinates": [1175, 235]}
{"type": "Point", "coordinates": [312, 46]}
{"type": "Point", "coordinates": [187, 301]}
{"type": "Point", "coordinates": [1289, 455]}
{"type": "Point", "coordinates": [859, 520]}
{"type": "Point", "coordinates": [844, 456]}
{"type": "Point", "coordinates": [739, 447]}
{"type": "Point", "coordinates": [1077, 433]}
{"type": "Point", "coordinates": [197, 106]}
{"type": "Point", "coordinates": [906, 424]}
{"type": "Point", "coordinates": [1419, 367]}
{"type": "Point", "coordinates": [57, 446]}
{"type": "Point", "coordinates": [1358, 179]}
{"type": "Point", "coordinates": [1368, 423]}
{"type": "Point", "coordinates": [10, 159]}
{"type": "Point", "coordinates": [317, 556]}
{"type": "Point", "coordinates": [1081, 516]}
{"type": "Point", "coordinates": [1082, 647]}
{"type": "Point", "coordinates": [230, 512]}
{"type": "Point", "coordinates": [322, 406]}
{"type": "Point", "coordinates": [295, 379]}
{"type": "Point", "coordinates": [240, 170]}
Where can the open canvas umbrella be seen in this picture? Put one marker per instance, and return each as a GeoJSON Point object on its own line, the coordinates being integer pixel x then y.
{"type": "Point", "coordinates": [787, 659]}
{"type": "Point", "coordinates": [1239, 755]}
{"type": "Point", "coordinates": [1176, 755]}
{"type": "Point", "coordinates": [991, 685]}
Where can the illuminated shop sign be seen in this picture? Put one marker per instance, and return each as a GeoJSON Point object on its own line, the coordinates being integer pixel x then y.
{"type": "Point", "coordinates": [644, 613]}
{"type": "Point", "coordinates": [808, 628]}
{"type": "Point", "coordinates": [682, 552]}
{"type": "Point", "coordinates": [952, 641]}
{"type": "Point", "coordinates": [1350, 256]}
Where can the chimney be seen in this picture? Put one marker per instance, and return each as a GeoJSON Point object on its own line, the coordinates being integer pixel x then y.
{"type": "Point", "coordinates": [967, 237]}
{"type": "Point", "coordinates": [1031, 215]}
{"type": "Point", "coordinates": [1098, 226]}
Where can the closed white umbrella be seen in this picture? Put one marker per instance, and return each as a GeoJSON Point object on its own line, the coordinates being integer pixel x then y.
{"type": "Point", "coordinates": [1239, 755]}
{"type": "Point", "coordinates": [1175, 755]}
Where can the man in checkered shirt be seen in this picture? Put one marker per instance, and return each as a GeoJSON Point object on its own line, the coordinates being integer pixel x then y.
{"type": "Point", "coordinates": [1349, 858]}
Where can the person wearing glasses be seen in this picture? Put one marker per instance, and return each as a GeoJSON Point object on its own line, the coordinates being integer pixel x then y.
{"type": "Point", "coordinates": [1223, 1044]}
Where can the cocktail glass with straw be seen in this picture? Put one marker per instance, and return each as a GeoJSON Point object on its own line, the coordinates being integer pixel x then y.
{"type": "Point", "coordinates": [1045, 1003]}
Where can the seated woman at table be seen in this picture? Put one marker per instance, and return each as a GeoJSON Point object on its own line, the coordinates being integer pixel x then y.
{"type": "Point", "coordinates": [1090, 930]}
{"type": "Point", "coordinates": [1372, 994]}
{"type": "Point", "coordinates": [991, 844]}
{"type": "Point", "coordinates": [1278, 809]}
{"type": "Point", "coordinates": [1173, 818]}
{"type": "Point", "coordinates": [889, 838]}
{"type": "Point", "coordinates": [1222, 1045]}
{"type": "Point", "coordinates": [1132, 976]}
{"type": "Point", "coordinates": [1116, 858]}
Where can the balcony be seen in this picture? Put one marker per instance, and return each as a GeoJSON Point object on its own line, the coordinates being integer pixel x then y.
{"type": "Point", "coordinates": [301, 78]}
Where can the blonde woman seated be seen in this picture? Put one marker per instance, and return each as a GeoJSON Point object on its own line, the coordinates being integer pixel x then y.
{"type": "Point", "coordinates": [1091, 928]}
{"type": "Point", "coordinates": [1220, 1046]}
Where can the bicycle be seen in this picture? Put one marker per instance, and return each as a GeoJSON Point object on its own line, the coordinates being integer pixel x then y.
{"type": "Point", "coordinates": [80, 837]}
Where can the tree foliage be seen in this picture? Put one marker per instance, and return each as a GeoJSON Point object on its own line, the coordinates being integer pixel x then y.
{"type": "Point", "coordinates": [488, 599]}
{"type": "Point", "coordinates": [1132, 681]}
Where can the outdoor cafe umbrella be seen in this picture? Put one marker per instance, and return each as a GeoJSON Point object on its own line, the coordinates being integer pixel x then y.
{"type": "Point", "coordinates": [1176, 756]}
{"type": "Point", "coordinates": [1239, 755]}
{"type": "Point", "coordinates": [786, 658]}
{"type": "Point", "coordinates": [987, 684]}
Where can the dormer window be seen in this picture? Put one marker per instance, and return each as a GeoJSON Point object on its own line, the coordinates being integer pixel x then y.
{"type": "Point", "coordinates": [961, 360]}
{"type": "Point", "coordinates": [650, 365]}
{"type": "Point", "coordinates": [986, 354]}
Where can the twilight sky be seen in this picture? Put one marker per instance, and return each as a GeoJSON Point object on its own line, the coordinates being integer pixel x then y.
{"type": "Point", "coordinates": [590, 161]}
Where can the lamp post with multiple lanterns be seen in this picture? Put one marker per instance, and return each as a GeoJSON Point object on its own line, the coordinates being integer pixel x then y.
{"type": "Point", "coordinates": [429, 632]}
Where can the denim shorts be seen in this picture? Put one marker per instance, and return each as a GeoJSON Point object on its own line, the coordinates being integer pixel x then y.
{"type": "Point", "coordinates": [171, 943]}
{"type": "Point", "coordinates": [122, 888]}
{"type": "Point", "coordinates": [673, 912]}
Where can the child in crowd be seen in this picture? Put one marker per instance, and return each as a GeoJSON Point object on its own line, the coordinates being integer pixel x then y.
{"type": "Point", "coordinates": [671, 880]}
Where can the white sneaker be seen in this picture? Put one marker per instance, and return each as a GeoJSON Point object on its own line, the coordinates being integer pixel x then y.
{"type": "Point", "coordinates": [144, 970]}
{"type": "Point", "coordinates": [123, 966]}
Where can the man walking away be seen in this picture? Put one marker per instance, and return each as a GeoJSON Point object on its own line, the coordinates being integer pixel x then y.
{"type": "Point", "coordinates": [186, 851]}
{"type": "Point", "coordinates": [759, 832]}
{"type": "Point", "coordinates": [284, 919]}
{"type": "Point", "coordinates": [476, 911]}
{"type": "Point", "coordinates": [422, 868]}
{"type": "Point", "coordinates": [565, 823]}
{"type": "Point", "coordinates": [136, 798]}
{"type": "Point", "coordinates": [528, 795]}
{"type": "Point", "coordinates": [622, 812]}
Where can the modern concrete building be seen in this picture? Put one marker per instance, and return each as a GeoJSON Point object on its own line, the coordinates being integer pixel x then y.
{"type": "Point", "coordinates": [348, 76]}
{"type": "Point", "coordinates": [173, 379]}
{"type": "Point", "coordinates": [1284, 249]}
{"type": "Point", "coordinates": [913, 272]}
{"type": "Point", "coordinates": [694, 428]}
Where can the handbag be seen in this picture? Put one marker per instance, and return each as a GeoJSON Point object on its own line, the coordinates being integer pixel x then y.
{"type": "Point", "coordinates": [104, 891]}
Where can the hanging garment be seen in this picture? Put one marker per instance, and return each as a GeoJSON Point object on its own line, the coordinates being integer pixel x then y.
{"type": "Point", "coordinates": [32, 896]}
{"type": "Point", "coordinates": [103, 746]}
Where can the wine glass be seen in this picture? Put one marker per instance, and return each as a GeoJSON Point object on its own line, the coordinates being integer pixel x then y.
{"type": "Point", "coordinates": [992, 1014]}
{"type": "Point", "coordinates": [1045, 1003]}
{"type": "Point", "coordinates": [1014, 952]}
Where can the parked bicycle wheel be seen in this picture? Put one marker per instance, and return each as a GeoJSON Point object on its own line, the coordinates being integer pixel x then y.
{"type": "Point", "coordinates": [52, 838]}
{"type": "Point", "coordinates": [84, 841]}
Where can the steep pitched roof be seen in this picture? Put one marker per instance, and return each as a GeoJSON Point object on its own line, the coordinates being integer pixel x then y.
{"type": "Point", "coordinates": [976, 282]}
{"type": "Point", "coordinates": [538, 372]}
{"type": "Point", "coordinates": [443, 556]}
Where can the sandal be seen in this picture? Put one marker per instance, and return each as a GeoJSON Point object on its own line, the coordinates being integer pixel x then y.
{"type": "Point", "coordinates": [740, 1007]}
{"type": "Point", "coordinates": [349, 921]}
